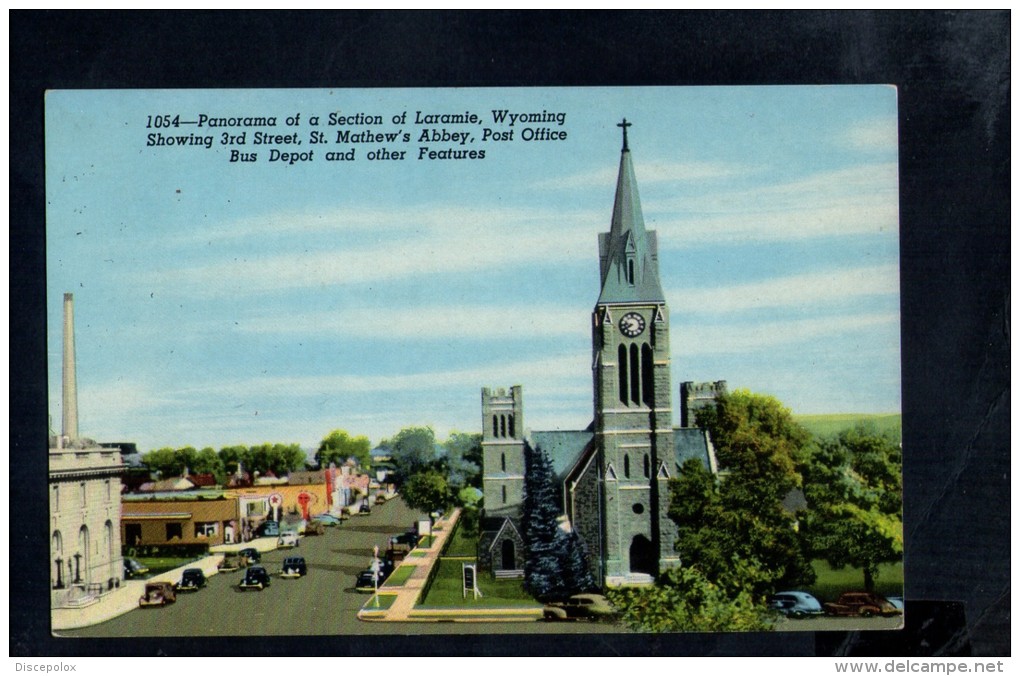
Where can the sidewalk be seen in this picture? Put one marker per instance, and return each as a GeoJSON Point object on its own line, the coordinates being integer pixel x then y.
{"type": "Point", "coordinates": [125, 598]}
{"type": "Point", "coordinates": [408, 594]}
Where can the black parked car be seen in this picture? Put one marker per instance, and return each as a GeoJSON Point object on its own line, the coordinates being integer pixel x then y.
{"type": "Point", "coordinates": [255, 577]}
{"type": "Point", "coordinates": [192, 579]}
{"type": "Point", "coordinates": [133, 569]}
{"type": "Point", "coordinates": [366, 581]}
{"type": "Point", "coordinates": [294, 566]}
{"type": "Point", "coordinates": [251, 555]}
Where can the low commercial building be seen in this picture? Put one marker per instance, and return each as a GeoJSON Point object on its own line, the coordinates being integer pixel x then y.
{"type": "Point", "coordinates": [187, 518]}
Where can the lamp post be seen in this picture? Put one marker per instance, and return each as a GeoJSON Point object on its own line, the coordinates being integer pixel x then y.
{"type": "Point", "coordinates": [77, 567]}
{"type": "Point", "coordinates": [375, 573]}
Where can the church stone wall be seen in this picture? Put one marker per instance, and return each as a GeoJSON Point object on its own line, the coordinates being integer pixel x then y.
{"type": "Point", "coordinates": [585, 516]}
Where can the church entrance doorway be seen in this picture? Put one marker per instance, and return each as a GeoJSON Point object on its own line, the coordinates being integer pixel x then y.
{"type": "Point", "coordinates": [642, 556]}
{"type": "Point", "coordinates": [509, 558]}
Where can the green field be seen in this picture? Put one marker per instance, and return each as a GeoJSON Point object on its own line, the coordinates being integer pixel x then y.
{"type": "Point", "coordinates": [830, 582]}
{"type": "Point", "coordinates": [400, 576]}
{"type": "Point", "coordinates": [830, 424]}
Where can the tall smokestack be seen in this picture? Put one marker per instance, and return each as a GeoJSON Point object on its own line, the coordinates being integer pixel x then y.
{"type": "Point", "coordinates": [70, 401]}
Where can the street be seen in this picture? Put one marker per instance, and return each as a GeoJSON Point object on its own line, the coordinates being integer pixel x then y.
{"type": "Point", "coordinates": [321, 603]}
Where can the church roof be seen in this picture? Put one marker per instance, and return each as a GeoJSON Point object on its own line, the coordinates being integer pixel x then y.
{"type": "Point", "coordinates": [564, 447]}
{"type": "Point", "coordinates": [626, 243]}
{"type": "Point", "coordinates": [691, 442]}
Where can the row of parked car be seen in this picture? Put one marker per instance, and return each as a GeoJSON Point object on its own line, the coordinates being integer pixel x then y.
{"type": "Point", "coordinates": [397, 548]}
{"type": "Point", "coordinates": [801, 604]}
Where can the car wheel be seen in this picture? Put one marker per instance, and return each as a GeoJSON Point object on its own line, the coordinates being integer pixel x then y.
{"type": "Point", "coordinates": [797, 615]}
{"type": "Point", "coordinates": [866, 612]}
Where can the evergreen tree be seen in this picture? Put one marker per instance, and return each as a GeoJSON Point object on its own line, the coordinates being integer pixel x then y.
{"type": "Point", "coordinates": [578, 577]}
{"type": "Point", "coordinates": [542, 572]}
{"type": "Point", "coordinates": [556, 564]}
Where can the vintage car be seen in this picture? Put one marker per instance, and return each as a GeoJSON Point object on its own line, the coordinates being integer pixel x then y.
{"type": "Point", "coordinates": [287, 541]}
{"type": "Point", "coordinates": [232, 561]}
{"type": "Point", "coordinates": [579, 606]}
{"type": "Point", "coordinates": [133, 569]}
{"type": "Point", "coordinates": [255, 577]}
{"type": "Point", "coordinates": [366, 581]}
{"type": "Point", "coordinates": [157, 594]}
{"type": "Point", "coordinates": [192, 579]}
{"type": "Point", "coordinates": [314, 527]}
{"type": "Point", "coordinates": [329, 519]}
{"type": "Point", "coordinates": [404, 542]}
{"type": "Point", "coordinates": [251, 555]}
{"type": "Point", "coordinates": [294, 567]}
{"type": "Point", "coordinates": [861, 604]}
{"type": "Point", "coordinates": [795, 604]}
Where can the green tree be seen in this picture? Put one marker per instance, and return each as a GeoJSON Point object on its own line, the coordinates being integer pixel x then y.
{"type": "Point", "coordinates": [208, 462]}
{"type": "Point", "coordinates": [231, 455]}
{"type": "Point", "coordinates": [165, 461]}
{"type": "Point", "coordinates": [854, 489]}
{"type": "Point", "coordinates": [462, 459]}
{"type": "Point", "coordinates": [686, 600]}
{"type": "Point", "coordinates": [738, 518]}
{"type": "Point", "coordinates": [338, 446]}
{"type": "Point", "coordinates": [427, 491]}
{"type": "Point", "coordinates": [556, 562]}
{"type": "Point", "coordinates": [414, 449]}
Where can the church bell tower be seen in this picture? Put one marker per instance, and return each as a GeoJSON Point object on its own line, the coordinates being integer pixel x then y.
{"type": "Point", "coordinates": [633, 406]}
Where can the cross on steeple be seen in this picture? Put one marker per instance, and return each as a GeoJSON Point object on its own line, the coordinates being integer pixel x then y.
{"type": "Point", "coordinates": [624, 126]}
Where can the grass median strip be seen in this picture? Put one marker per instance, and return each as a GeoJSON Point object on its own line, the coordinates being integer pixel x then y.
{"type": "Point", "coordinates": [400, 576]}
{"type": "Point", "coordinates": [379, 602]}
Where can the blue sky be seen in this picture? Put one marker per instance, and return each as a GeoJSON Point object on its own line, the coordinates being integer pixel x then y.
{"type": "Point", "coordinates": [220, 303]}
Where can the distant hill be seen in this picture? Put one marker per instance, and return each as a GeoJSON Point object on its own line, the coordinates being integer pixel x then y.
{"type": "Point", "coordinates": [829, 424]}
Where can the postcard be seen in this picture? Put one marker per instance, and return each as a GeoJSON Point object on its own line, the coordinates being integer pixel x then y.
{"type": "Point", "coordinates": [479, 360]}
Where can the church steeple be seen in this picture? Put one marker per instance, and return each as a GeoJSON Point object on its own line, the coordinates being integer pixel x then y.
{"type": "Point", "coordinates": [628, 254]}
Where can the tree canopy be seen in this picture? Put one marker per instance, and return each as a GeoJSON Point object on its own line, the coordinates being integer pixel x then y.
{"type": "Point", "coordinates": [740, 516]}
{"type": "Point", "coordinates": [427, 491]}
{"type": "Point", "coordinates": [339, 445]}
{"type": "Point", "coordinates": [413, 449]}
{"type": "Point", "coordinates": [854, 489]}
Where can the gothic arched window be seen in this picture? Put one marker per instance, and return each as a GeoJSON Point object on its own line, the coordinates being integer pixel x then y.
{"type": "Point", "coordinates": [495, 426]}
{"type": "Point", "coordinates": [647, 382]}
{"type": "Point", "coordinates": [626, 466]}
{"type": "Point", "coordinates": [502, 426]}
{"type": "Point", "coordinates": [504, 494]}
{"type": "Point", "coordinates": [502, 461]}
{"type": "Point", "coordinates": [648, 467]}
{"type": "Point", "coordinates": [622, 360]}
{"type": "Point", "coordinates": [513, 432]}
{"type": "Point", "coordinates": [635, 375]}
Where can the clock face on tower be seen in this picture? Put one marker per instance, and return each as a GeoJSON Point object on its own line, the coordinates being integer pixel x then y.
{"type": "Point", "coordinates": [632, 324]}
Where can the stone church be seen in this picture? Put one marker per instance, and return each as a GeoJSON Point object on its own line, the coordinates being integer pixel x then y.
{"type": "Point", "coordinates": [613, 476]}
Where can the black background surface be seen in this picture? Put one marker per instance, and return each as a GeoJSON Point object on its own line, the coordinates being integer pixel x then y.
{"type": "Point", "coordinates": [952, 73]}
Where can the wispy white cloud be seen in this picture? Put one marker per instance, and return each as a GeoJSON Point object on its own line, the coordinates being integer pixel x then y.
{"type": "Point", "coordinates": [878, 134]}
{"type": "Point", "coordinates": [794, 291]}
{"type": "Point", "coordinates": [436, 241]}
{"type": "Point", "coordinates": [651, 172]}
{"type": "Point", "coordinates": [859, 200]}
{"type": "Point", "coordinates": [514, 322]}
{"type": "Point", "coordinates": [750, 337]}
